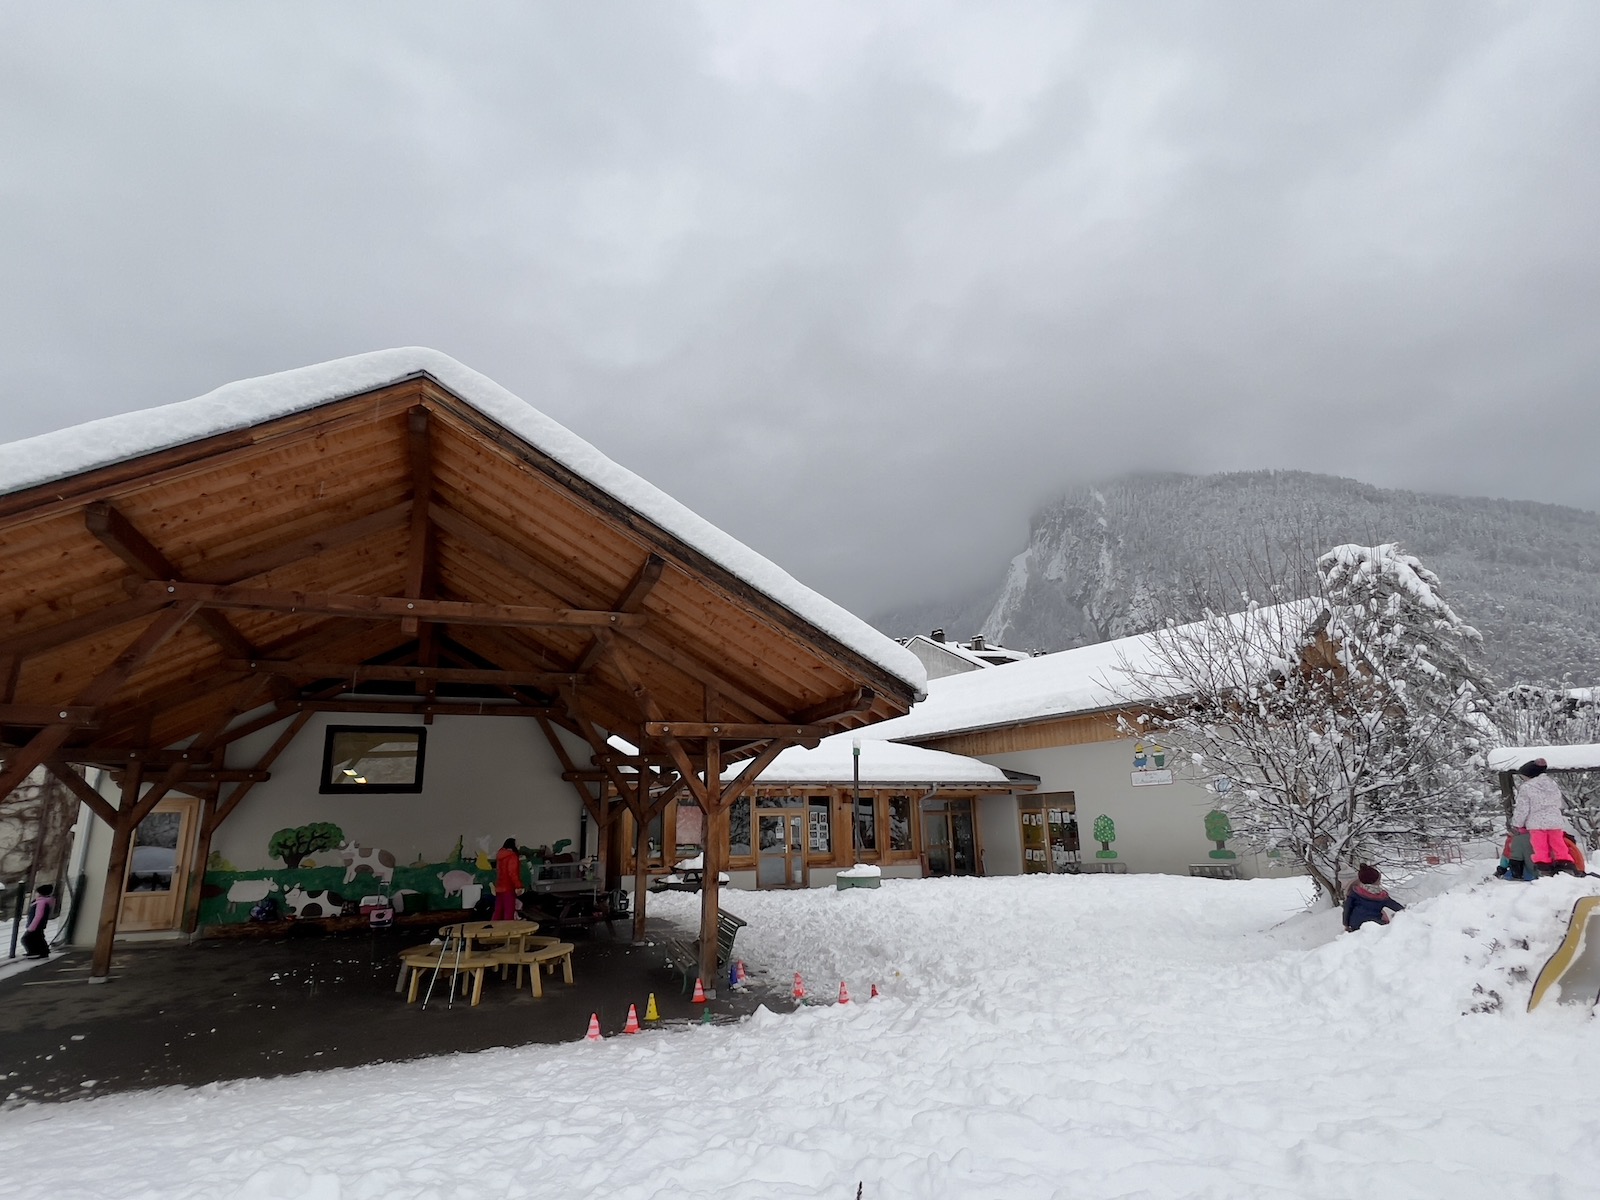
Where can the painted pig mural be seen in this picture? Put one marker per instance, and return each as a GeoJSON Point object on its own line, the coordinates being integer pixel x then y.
{"type": "Point", "coordinates": [456, 881]}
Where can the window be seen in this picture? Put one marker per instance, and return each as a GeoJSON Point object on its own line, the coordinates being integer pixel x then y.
{"type": "Point", "coordinates": [819, 827]}
{"type": "Point", "coordinates": [373, 758]}
{"type": "Point", "coordinates": [899, 822]}
{"type": "Point", "coordinates": [866, 823]}
{"type": "Point", "coordinates": [739, 828]}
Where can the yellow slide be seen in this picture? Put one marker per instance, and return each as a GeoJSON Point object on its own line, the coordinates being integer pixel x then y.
{"type": "Point", "coordinates": [1574, 969]}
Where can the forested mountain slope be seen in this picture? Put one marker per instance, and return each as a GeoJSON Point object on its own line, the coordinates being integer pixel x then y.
{"type": "Point", "coordinates": [1116, 559]}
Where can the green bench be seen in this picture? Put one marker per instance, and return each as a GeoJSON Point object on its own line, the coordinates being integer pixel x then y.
{"type": "Point", "coordinates": [684, 957]}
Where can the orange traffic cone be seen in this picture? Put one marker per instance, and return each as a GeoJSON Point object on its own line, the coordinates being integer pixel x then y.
{"type": "Point", "coordinates": [699, 996]}
{"type": "Point", "coordinates": [594, 1028]}
{"type": "Point", "coordinates": [633, 1020]}
{"type": "Point", "coordinates": [651, 1012]}
{"type": "Point", "coordinates": [844, 993]}
{"type": "Point", "coordinates": [874, 995]}
{"type": "Point", "coordinates": [799, 987]}
{"type": "Point", "coordinates": [741, 971]}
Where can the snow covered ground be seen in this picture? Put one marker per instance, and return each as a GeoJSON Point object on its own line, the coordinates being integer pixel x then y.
{"type": "Point", "coordinates": [1036, 1037]}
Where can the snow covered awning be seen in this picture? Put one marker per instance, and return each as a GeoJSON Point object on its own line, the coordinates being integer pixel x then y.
{"type": "Point", "coordinates": [886, 764]}
{"type": "Point", "coordinates": [1558, 758]}
{"type": "Point", "coordinates": [1089, 679]}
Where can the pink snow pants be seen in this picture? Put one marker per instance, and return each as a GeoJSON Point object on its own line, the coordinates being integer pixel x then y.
{"type": "Point", "coordinates": [1549, 844]}
{"type": "Point", "coordinates": [505, 906]}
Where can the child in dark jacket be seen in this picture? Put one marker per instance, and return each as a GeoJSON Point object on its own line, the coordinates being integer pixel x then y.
{"type": "Point", "coordinates": [1367, 901]}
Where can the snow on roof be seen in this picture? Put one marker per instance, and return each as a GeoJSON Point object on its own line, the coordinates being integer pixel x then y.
{"type": "Point", "coordinates": [234, 406]}
{"type": "Point", "coordinates": [1068, 682]}
{"type": "Point", "coordinates": [882, 762]}
{"type": "Point", "coordinates": [1559, 758]}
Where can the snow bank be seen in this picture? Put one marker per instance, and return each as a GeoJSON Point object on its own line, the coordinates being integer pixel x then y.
{"type": "Point", "coordinates": [1045, 1036]}
{"type": "Point", "coordinates": [1559, 758]}
{"type": "Point", "coordinates": [249, 402]}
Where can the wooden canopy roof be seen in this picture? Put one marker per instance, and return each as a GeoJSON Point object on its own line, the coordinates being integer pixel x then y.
{"type": "Point", "coordinates": [393, 521]}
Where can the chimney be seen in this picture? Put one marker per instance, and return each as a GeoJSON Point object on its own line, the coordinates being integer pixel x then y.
{"type": "Point", "coordinates": [937, 635]}
{"type": "Point", "coordinates": [977, 642]}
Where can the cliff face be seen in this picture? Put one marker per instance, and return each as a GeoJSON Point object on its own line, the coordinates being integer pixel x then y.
{"type": "Point", "coordinates": [1118, 559]}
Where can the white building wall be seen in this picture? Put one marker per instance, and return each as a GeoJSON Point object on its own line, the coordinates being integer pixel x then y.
{"type": "Point", "coordinates": [1000, 834]}
{"type": "Point", "coordinates": [1159, 828]}
{"type": "Point", "coordinates": [493, 777]}
{"type": "Point", "coordinates": [483, 777]}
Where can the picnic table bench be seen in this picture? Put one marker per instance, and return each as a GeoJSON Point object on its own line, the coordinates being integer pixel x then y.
{"type": "Point", "coordinates": [684, 957]}
{"type": "Point", "coordinates": [1214, 870]}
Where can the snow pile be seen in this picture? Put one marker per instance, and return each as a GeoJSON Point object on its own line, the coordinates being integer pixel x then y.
{"type": "Point", "coordinates": [1044, 1036]}
{"type": "Point", "coordinates": [235, 406]}
{"type": "Point", "coordinates": [862, 871]}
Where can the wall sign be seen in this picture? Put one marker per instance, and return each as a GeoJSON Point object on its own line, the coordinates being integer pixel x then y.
{"type": "Point", "coordinates": [1150, 778]}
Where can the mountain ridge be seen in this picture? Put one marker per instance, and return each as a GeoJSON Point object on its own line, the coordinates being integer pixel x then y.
{"type": "Point", "coordinates": [1117, 558]}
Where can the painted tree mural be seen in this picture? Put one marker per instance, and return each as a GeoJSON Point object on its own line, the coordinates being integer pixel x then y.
{"type": "Point", "coordinates": [1219, 829]}
{"type": "Point", "coordinates": [292, 845]}
{"type": "Point", "coordinates": [1105, 832]}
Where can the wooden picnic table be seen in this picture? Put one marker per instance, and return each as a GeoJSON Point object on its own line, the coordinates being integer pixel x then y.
{"type": "Point", "coordinates": [513, 934]}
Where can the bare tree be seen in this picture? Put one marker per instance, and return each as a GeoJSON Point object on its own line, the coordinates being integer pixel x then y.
{"type": "Point", "coordinates": [1349, 721]}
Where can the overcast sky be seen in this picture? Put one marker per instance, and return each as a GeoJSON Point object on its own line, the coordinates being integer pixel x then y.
{"type": "Point", "coordinates": [860, 283]}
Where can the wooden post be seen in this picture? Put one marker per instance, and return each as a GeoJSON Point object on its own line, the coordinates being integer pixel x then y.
{"type": "Point", "coordinates": [641, 871]}
{"type": "Point", "coordinates": [116, 874]}
{"type": "Point", "coordinates": [202, 851]}
{"type": "Point", "coordinates": [716, 853]}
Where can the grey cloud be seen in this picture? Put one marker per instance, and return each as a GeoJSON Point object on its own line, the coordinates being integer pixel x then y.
{"type": "Point", "coordinates": [860, 284]}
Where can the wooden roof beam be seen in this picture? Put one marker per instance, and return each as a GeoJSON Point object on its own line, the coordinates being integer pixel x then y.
{"type": "Point", "coordinates": [44, 744]}
{"type": "Point", "coordinates": [119, 535]}
{"type": "Point", "coordinates": [387, 608]}
{"type": "Point", "coordinates": [258, 562]}
{"type": "Point", "coordinates": [363, 672]}
{"type": "Point", "coordinates": [420, 548]}
{"type": "Point", "coordinates": [48, 637]}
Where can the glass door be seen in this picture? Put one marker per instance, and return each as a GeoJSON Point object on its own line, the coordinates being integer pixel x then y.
{"type": "Point", "coordinates": [963, 840]}
{"type": "Point", "coordinates": [158, 867]}
{"type": "Point", "coordinates": [936, 842]}
{"type": "Point", "coordinates": [780, 849]}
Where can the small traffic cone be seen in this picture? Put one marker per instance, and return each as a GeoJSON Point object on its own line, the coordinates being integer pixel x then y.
{"type": "Point", "coordinates": [733, 975]}
{"type": "Point", "coordinates": [844, 993]}
{"type": "Point", "coordinates": [799, 987]}
{"type": "Point", "coordinates": [742, 975]}
{"type": "Point", "coordinates": [633, 1020]}
{"type": "Point", "coordinates": [874, 995]}
{"type": "Point", "coordinates": [651, 1012]}
{"type": "Point", "coordinates": [705, 1017]}
{"type": "Point", "coordinates": [594, 1029]}
{"type": "Point", "coordinates": [699, 996]}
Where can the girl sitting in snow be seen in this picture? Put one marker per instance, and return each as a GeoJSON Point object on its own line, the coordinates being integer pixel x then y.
{"type": "Point", "coordinates": [1367, 901]}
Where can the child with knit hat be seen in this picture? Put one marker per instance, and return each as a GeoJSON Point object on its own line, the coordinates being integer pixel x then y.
{"type": "Point", "coordinates": [1366, 901]}
{"type": "Point", "coordinates": [1538, 809]}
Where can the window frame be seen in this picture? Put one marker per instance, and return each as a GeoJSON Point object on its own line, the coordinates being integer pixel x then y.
{"type": "Point", "coordinates": [326, 786]}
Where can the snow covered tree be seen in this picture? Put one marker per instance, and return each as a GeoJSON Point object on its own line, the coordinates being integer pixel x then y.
{"type": "Point", "coordinates": [1351, 720]}
{"type": "Point", "coordinates": [1542, 716]}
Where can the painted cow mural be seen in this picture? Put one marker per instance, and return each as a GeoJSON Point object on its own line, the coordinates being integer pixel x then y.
{"type": "Point", "coordinates": [366, 860]}
{"type": "Point", "coordinates": [320, 903]}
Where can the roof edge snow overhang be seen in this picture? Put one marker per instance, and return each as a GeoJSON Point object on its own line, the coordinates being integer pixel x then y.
{"type": "Point", "coordinates": [219, 420]}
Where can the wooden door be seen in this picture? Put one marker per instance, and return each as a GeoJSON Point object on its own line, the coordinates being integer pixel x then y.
{"type": "Point", "coordinates": [780, 848]}
{"type": "Point", "coordinates": [158, 867]}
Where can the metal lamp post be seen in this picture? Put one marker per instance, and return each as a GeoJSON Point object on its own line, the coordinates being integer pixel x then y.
{"type": "Point", "coordinates": [855, 811]}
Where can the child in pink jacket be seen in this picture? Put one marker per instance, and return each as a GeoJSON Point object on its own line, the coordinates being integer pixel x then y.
{"type": "Point", "coordinates": [1538, 809]}
{"type": "Point", "coordinates": [39, 914]}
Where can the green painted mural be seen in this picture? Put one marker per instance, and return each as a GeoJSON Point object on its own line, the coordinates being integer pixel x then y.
{"type": "Point", "coordinates": [1105, 832]}
{"type": "Point", "coordinates": [1219, 829]}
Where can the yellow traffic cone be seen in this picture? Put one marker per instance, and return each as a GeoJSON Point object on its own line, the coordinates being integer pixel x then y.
{"type": "Point", "coordinates": [651, 1012]}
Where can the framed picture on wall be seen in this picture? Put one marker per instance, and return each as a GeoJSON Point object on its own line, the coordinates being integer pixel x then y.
{"type": "Point", "coordinates": [373, 759]}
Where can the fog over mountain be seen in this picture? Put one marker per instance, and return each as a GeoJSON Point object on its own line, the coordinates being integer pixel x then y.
{"type": "Point", "coordinates": [1102, 562]}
